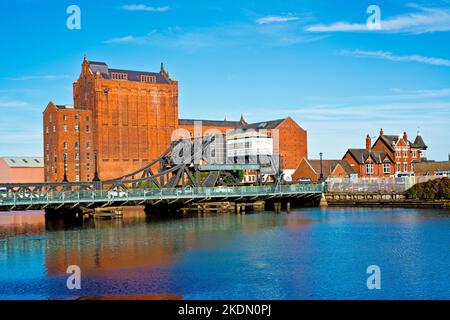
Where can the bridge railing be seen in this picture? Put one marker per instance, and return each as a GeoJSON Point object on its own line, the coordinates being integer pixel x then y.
{"type": "Point", "coordinates": [92, 196]}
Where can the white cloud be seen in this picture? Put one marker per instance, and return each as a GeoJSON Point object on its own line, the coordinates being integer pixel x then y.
{"type": "Point", "coordinates": [422, 21]}
{"type": "Point", "coordinates": [12, 103]}
{"type": "Point", "coordinates": [226, 35]}
{"type": "Point", "coordinates": [127, 39]}
{"type": "Point", "coordinates": [142, 7]}
{"type": "Point", "coordinates": [390, 56]}
{"type": "Point", "coordinates": [38, 77]}
{"type": "Point", "coordinates": [275, 19]}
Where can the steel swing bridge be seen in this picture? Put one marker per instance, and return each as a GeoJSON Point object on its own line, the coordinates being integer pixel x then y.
{"type": "Point", "coordinates": [197, 177]}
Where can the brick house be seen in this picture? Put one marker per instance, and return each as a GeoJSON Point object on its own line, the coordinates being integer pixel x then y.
{"type": "Point", "coordinates": [310, 169]}
{"type": "Point", "coordinates": [389, 156]}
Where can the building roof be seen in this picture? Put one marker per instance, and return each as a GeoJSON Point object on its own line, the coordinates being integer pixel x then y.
{"type": "Point", "coordinates": [361, 155]}
{"type": "Point", "coordinates": [431, 166]}
{"type": "Point", "coordinates": [328, 166]}
{"type": "Point", "coordinates": [391, 140]}
{"type": "Point", "coordinates": [271, 124]}
{"type": "Point", "coordinates": [419, 143]}
{"type": "Point", "coordinates": [70, 107]}
{"type": "Point", "coordinates": [24, 162]}
{"type": "Point", "coordinates": [105, 72]}
{"type": "Point", "coordinates": [214, 123]}
{"type": "Point", "coordinates": [347, 167]}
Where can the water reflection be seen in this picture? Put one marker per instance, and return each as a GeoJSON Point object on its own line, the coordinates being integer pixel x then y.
{"type": "Point", "coordinates": [31, 222]}
{"type": "Point", "coordinates": [310, 253]}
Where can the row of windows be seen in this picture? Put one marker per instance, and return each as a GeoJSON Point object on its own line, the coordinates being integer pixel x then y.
{"type": "Point", "coordinates": [404, 152]}
{"type": "Point", "coordinates": [124, 76]}
{"type": "Point", "coordinates": [119, 76]}
{"type": "Point", "coordinates": [387, 168]}
{"type": "Point", "coordinates": [147, 78]}
{"type": "Point", "coordinates": [65, 157]}
{"type": "Point", "coordinates": [76, 117]}
{"type": "Point", "coordinates": [65, 145]}
{"type": "Point", "coordinates": [76, 167]}
{"type": "Point", "coordinates": [65, 128]}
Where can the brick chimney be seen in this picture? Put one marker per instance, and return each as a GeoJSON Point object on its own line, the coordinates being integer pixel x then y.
{"type": "Point", "coordinates": [381, 132]}
{"type": "Point", "coordinates": [405, 137]}
{"type": "Point", "coordinates": [368, 143]}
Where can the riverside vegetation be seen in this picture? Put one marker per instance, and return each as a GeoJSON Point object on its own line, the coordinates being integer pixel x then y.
{"type": "Point", "coordinates": [438, 189]}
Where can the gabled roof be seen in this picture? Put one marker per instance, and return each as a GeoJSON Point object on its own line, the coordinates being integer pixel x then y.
{"type": "Point", "coordinates": [347, 167]}
{"type": "Point", "coordinates": [390, 140]}
{"type": "Point", "coordinates": [105, 72]}
{"type": "Point", "coordinates": [362, 155]}
{"type": "Point", "coordinates": [328, 166]}
{"type": "Point", "coordinates": [24, 162]}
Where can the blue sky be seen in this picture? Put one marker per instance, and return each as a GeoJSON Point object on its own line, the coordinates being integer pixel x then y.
{"type": "Point", "coordinates": [313, 60]}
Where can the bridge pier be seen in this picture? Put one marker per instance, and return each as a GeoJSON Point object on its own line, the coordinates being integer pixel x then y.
{"type": "Point", "coordinates": [323, 201]}
{"type": "Point", "coordinates": [162, 209]}
{"type": "Point", "coordinates": [55, 218]}
{"type": "Point", "coordinates": [57, 213]}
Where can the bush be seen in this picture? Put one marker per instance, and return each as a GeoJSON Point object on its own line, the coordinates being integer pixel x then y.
{"type": "Point", "coordinates": [430, 190]}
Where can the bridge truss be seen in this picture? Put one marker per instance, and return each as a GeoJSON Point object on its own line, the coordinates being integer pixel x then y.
{"type": "Point", "coordinates": [199, 167]}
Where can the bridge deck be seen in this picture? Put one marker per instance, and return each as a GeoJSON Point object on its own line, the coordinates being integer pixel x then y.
{"type": "Point", "coordinates": [58, 199]}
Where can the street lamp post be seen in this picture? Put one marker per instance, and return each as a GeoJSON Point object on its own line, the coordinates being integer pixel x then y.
{"type": "Point", "coordinates": [96, 178]}
{"type": "Point", "coordinates": [65, 169]}
{"type": "Point", "coordinates": [321, 170]}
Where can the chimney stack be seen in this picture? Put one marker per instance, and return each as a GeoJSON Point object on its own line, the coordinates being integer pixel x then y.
{"type": "Point", "coordinates": [368, 143]}
{"type": "Point", "coordinates": [405, 137]}
{"type": "Point", "coordinates": [381, 132]}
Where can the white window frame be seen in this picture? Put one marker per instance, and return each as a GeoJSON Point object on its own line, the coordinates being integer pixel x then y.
{"type": "Point", "coordinates": [369, 168]}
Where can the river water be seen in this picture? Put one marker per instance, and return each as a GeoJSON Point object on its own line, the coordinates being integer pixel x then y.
{"type": "Point", "coordinates": [310, 253]}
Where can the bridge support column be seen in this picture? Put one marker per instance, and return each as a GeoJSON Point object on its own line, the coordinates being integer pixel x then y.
{"type": "Point", "coordinates": [288, 207]}
{"type": "Point", "coordinates": [323, 201]}
{"type": "Point", "coordinates": [277, 207]}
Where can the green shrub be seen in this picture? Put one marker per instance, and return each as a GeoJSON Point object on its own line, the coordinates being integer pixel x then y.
{"type": "Point", "coordinates": [430, 190]}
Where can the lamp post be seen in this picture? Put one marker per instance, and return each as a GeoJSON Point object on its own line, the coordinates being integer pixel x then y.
{"type": "Point", "coordinates": [96, 178]}
{"type": "Point", "coordinates": [65, 169]}
{"type": "Point", "coordinates": [321, 171]}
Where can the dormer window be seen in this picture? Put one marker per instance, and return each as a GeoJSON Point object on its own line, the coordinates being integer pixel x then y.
{"type": "Point", "coordinates": [147, 78]}
{"type": "Point", "coordinates": [119, 76]}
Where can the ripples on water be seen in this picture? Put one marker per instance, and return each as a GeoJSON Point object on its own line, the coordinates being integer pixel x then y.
{"type": "Point", "coordinates": [311, 253]}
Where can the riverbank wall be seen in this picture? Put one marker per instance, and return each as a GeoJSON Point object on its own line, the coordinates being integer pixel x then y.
{"type": "Point", "coordinates": [381, 200]}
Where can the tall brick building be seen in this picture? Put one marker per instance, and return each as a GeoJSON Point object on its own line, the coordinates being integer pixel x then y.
{"type": "Point", "coordinates": [124, 119]}
{"type": "Point", "coordinates": [132, 116]}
